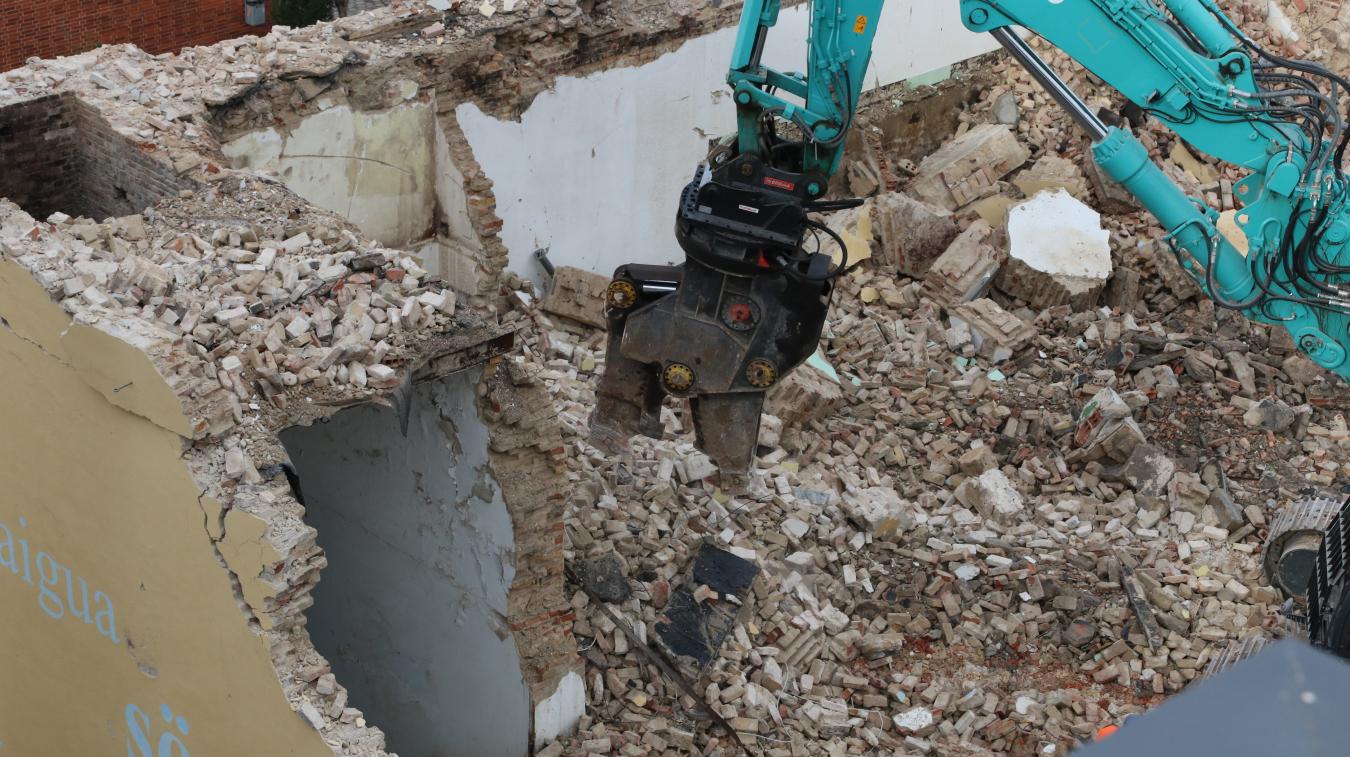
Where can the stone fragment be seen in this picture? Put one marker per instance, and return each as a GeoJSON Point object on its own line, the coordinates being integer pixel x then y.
{"type": "Point", "coordinates": [966, 270]}
{"type": "Point", "coordinates": [1270, 414]}
{"type": "Point", "coordinates": [1080, 633]}
{"type": "Point", "coordinates": [1059, 254]}
{"type": "Point", "coordinates": [968, 167]}
{"type": "Point", "coordinates": [912, 234]}
{"type": "Point", "coordinates": [808, 393]}
{"type": "Point", "coordinates": [579, 295]}
{"type": "Point", "coordinates": [995, 333]}
{"type": "Point", "coordinates": [605, 578]}
{"type": "Point", "coordinates": [992, 495]}
{"type": "Point", "coordinates": [1148, 470]}
{"type": "Point", "coordinates": [1302, 370]}
{"type": "Point", "coordinates": [1006, 110]}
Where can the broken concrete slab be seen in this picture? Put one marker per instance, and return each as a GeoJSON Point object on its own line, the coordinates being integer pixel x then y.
{"type": "Point", "coordinates": [968, 167]}
{"type": "Point", "coordinates": [995, 333]}
{"type": "Point", "coordinates": [912, 233]}
{"type": "Point", "coordinates": [1059, 253]}
{"type": "Point", "coordinates": [967, 269]}
{"type": "Point", "coordinates": [579, 295]}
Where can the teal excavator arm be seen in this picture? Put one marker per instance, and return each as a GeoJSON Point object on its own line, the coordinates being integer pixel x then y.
{"type": "Point", "coordinates": [749, 302]}
{"type": "Point", "coordinates": [1189, 66]}
{"type": "Point", "coordinates": [820, 102]}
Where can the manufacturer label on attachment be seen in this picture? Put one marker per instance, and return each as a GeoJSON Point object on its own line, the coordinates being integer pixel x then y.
{"type": "Point", "coordinates": [860, 25]}
{"type": "Point", "coordinates": [776, 183]}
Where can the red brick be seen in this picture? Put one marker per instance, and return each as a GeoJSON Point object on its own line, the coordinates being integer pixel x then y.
{"type": "Point", "coordinates": [51, 28]}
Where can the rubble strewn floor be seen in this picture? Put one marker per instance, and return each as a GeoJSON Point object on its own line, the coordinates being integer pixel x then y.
{"type": "Point", "coordinates": [946, 552]}
{"type": "Point", "coordinates": [952, 500]}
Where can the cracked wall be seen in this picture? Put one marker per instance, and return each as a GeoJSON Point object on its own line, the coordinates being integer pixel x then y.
{"type": "Point", "coordinates": [390, 171]}
{"type": "Point", "coordinates": [217, 319]}
{"type": "Point", "coordinates": [118, 614]}
{"type": "Point", "coordinates": [412, 611]}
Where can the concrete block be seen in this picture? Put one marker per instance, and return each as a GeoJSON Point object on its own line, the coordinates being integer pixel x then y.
{"type": "Point", "coordinates": [966, 270]}
{"type": "Point", "coordinates": [968, 167]}
{"type": "Point", "coordinates": [579, 295]}
{"type": "Point", "coordinates": [1060, 254]}
{"type": "Point", "coordinates": [913, 234]}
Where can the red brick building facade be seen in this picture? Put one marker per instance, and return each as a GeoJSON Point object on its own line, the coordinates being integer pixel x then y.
{"type": "Point", "coordinates": [50, 28]}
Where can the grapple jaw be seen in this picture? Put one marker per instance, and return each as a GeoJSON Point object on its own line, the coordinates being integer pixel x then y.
{"type": "Point", "coordinates": [720, 340]}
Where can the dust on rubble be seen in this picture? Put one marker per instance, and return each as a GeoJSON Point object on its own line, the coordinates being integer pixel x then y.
{"type": "Point", "coordinates": [991, 619]}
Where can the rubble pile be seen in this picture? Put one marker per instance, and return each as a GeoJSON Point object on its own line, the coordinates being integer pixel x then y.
{"type": "Point", "coordinates": [1008, 522]}
{"type": "Point", "coordinates": [1005, 504]}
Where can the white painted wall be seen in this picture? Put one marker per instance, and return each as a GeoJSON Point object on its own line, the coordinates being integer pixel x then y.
{"type": "Point", "coordinates": [594, 168]}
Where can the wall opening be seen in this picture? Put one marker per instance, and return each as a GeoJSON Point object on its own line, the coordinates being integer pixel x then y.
{"type": "Point", "coordinates": [411, 610]}
{"type": "Point", "coordinates": [57, 154]}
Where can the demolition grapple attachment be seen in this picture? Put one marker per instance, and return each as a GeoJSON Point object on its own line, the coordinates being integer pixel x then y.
{"type": "Point", "coordinates": [745, 308]}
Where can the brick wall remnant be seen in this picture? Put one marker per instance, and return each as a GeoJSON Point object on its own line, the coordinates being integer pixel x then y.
{"type": "Point", "coordinates": [45, 29]}
{"type": "Point", "coordinates": [58, 154]}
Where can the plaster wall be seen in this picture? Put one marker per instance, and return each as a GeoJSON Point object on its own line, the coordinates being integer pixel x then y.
{"type": "Point", "coordinates": [594, 167]}
{"type": "Point", "coordinates": [122, 633]}
{"type": "Point", "coordinates": [412, 608]}
{"type": "Point", "coordinates": [376, 168]}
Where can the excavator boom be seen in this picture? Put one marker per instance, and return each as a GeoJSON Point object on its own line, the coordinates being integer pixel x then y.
{"type": "Point", "coordinates": [749, 303]}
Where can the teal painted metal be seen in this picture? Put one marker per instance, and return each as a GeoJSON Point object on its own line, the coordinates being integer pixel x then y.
{"type": "Point", "coordinates": [821, 101]}
{"type": "Point", "coordinates": [1196, 88]}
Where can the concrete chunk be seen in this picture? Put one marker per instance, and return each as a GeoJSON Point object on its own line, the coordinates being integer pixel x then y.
{"type": "Point", "coordinates": [965, 271]}
{"type": "Point", "coordinates": [1060, 254]}
{"type": "Point", "coordinates": [967, 168]}
{"type": "Point", "coordinates": [913, 234]}
{"type": "Point", "coordinates": [579, 295]}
